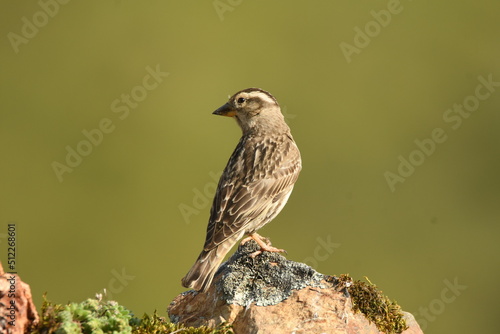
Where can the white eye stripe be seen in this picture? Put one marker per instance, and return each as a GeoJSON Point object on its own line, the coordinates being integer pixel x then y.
{"type": "Point", "coordinates": [262, 96]}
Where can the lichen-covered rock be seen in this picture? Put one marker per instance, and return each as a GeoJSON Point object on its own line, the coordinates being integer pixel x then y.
{"type": "Point", "coordinates": [267, 279]}
{"type": "Point", "coordinates": [270, 294]}
{"type": "Point", "coordinates": [17, 311]}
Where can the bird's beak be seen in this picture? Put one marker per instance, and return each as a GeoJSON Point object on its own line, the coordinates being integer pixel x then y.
{"type": "Point", "coordinates": [225, 110]}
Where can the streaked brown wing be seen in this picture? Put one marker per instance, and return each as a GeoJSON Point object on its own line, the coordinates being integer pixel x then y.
{"type": "Point", "coordinates": [258, 174]}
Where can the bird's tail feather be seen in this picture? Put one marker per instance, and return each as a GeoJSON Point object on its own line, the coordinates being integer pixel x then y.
{"type": "Point", "coordinates": [202, 272]}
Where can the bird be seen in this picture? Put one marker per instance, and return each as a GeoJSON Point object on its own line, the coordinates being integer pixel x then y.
{"type": "Point", "coordinates": [255, 184]}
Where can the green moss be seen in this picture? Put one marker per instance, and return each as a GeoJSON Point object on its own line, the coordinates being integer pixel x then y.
{"type": "Point", "coordinates": [377, 308]}
{"type": "Point", "coordinates": [158, 325]}
{"type": "Point", "coordinates": [90, 316]}
{"type": "Point", "coordinates": [48, 321]}
{"type": "Point", "coordinates": [98, 316]}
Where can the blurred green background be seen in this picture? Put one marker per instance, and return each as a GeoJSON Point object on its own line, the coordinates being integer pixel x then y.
{"type": "Point", "coordinates": [131, 215]}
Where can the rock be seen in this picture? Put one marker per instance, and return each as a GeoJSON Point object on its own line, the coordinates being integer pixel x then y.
{"type": "Point", "coordinates": [270, 294]}
{"type": "Point", "coordinates": [17, 311]}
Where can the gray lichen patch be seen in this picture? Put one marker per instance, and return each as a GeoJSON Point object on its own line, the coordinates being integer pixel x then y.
{"type": "Point", "coordinates": [267, 279]}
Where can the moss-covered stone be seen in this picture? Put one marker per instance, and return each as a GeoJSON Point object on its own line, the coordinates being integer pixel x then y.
{"type": "Point", "coordinates": [97, 316]}
{"type": "Point", "coordinates": [158, 325]}
{"type": "Point", "coordinates": [267, 279]}
{"type": "Point", "coordinates": [377, 307]}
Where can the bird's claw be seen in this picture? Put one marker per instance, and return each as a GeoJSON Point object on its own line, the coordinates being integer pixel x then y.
{"type": "Point", "coordinates": [267, 249]}
{"type": "Point", "coordinates": [264, 247]}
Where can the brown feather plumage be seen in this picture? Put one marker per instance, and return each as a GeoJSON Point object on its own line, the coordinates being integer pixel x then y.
{"type": "Point", "coordinates": [255, 184]}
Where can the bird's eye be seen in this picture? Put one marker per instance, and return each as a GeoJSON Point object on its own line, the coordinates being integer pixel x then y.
{"type": "Point", "coordinates": [241, 100]}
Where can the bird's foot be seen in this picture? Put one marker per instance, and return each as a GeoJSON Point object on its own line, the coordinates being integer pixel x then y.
{"type": "Point", "coordinates": [264, 247]}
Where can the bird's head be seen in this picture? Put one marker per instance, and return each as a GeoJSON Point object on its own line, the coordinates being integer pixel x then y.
{"type": "Point", "coordinates": [255, 110]}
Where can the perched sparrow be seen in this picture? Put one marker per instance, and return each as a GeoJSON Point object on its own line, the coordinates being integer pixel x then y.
{"type": "Point", "coordinates": [255, 184]}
